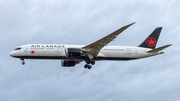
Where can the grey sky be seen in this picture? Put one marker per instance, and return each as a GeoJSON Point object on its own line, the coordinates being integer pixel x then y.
{"type": "Point", "coordinates": [82, 22]}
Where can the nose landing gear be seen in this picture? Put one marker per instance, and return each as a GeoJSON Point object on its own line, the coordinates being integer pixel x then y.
{"type": "Point", "coordinates": [22, 61]}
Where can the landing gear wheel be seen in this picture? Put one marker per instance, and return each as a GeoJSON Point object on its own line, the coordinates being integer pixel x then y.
{"type": "Point", "coordinates": [92, 62]}
{"type": "Point", "coordinates": [88, 61]}
{"type": "Point", "coordinates": [87, 66]}
{"type": "Point", "coordinates": [23, 63]}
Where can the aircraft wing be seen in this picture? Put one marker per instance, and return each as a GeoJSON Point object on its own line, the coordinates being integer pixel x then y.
{"type": "Point", "coordinates": [94, 48]}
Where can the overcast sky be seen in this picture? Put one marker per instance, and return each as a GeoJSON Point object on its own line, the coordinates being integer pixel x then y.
{"type": "Point", "coordinates": [82, 22]}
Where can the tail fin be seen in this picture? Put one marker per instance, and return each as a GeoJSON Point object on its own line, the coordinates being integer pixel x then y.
{"type": "Point", "coordinates": [152, 39]}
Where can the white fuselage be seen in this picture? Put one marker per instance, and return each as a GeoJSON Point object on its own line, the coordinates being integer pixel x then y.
{"type": "Point", "coordinates": [56, 51]}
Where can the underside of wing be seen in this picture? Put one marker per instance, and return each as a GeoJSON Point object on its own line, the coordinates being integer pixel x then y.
{"type": "Point", "coordinates": [96, 46]}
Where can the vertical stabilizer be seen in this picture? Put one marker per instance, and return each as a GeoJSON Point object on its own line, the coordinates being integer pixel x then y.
{"type": "Point", "coordinates": [152, 39]}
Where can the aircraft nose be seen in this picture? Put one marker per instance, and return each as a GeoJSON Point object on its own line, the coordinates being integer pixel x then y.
{"type": "Point", "coordinates": [11, 54]}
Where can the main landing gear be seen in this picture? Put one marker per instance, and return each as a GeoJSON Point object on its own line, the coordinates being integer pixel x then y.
{"type": "Point", "coordinates": [22, 61]}
{"type": "Point", "coordinates": [88, 63]}
{"type": "Point", "coordinates": [87, 66]}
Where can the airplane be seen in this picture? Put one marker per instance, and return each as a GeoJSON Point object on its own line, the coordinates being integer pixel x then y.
{"type": "Point", "coordinates": [70, 55]}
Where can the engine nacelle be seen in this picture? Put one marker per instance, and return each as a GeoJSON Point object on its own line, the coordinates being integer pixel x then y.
{"type": "Point", "coordinates": [68, 63]}
{"type": "Point", "coordinates": [73, 52]}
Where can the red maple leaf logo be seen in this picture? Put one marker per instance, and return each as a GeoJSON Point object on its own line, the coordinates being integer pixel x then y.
{"type": "Point", "coordinates": [32, 52]}
{"type": "Point", "coordinates": [151, 42]}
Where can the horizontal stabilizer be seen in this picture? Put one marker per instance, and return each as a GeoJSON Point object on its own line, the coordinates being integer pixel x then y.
{"type": "Point", "coordinates": [159, 49]}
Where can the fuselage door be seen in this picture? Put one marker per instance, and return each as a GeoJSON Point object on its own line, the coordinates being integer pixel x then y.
{"type": "Point", "coordinates": [25, 49]}
{"type": "Point", "coordinates": [135, 51]}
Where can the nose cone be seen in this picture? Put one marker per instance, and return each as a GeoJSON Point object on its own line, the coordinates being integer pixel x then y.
{"type": "Point", "coordinates": [15, 54]}
{"type": "Point", "coordinates": [12, 54]}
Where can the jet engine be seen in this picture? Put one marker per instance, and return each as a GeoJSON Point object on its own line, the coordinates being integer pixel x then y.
{"type": "Point", "coordinates": [68, 63]}
{"type": "Point", "coordinates": [73, 52]}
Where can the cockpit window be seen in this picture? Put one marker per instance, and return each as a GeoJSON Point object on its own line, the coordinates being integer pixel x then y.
{"type": "Point", "coordinates": [18, 48]}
